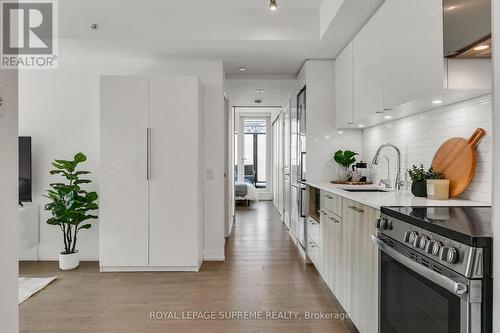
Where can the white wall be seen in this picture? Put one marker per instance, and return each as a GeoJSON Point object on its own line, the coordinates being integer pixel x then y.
{"type": "Point", "coordinates": [323, 140]}
{"type": "Point", "coordinates": [420, 136]}
{"type": "Point", "coordinates": [8, 202]}
{"type": "Point", "coordinates": [496, 166]}
{"type": "Point", "coordinates": [60, 109]}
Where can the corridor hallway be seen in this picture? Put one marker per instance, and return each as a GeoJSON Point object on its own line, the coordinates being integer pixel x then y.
{"type": "Point", "coordinates": [262, 272]}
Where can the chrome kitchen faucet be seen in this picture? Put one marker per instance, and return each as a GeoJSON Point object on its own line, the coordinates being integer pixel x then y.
{"type": "Point", "coordinates": [399, 183]}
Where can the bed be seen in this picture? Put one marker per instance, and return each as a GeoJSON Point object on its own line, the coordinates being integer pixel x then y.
{"type": "Point", "coordinates": [244, 191]}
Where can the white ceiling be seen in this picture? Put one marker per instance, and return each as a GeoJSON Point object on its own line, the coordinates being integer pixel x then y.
{"type": "Point", "coordinates": [237, 32]}
{"type": "Point", "coordinates": [243, 92]}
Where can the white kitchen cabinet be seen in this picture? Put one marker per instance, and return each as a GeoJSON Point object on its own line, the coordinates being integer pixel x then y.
{"type": "Point", "coordinates": [412, 44]}
{"type": "Point", "coordinates": [331, 202]}
{"type": "Point", "coordinates": [344, 107]}
{"type": "Point", "coordinates": [314, 254]}
{"type": "Point", "coordinates": [361, 261]}
{"type": "Point", "coordinates": [348, 259]}
{"type": "Point", "coordinates": [151, 182]}
{"type": "Point", "coordinates": [395, 65]}
{"type": "Point", "coordinates": [313, 231]}
{"type": "Point", "coordinates": [368, 89]}
{"type": "Point", "coordinates": [330, 251]}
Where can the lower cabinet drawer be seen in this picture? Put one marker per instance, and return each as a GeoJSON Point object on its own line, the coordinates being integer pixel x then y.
{"type": "Point", "coordinates": [313, 252]}
{"type": "Point", "coordinates": [313, 232]}
{"type": "Point", "coordinates": [331, 202]}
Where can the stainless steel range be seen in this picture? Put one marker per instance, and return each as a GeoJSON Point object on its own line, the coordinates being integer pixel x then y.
{"type": "Point", "coordinates": [435, 269]}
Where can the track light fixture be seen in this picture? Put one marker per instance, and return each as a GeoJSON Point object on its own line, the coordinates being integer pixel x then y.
{"type": "Point", "coordinates": [273, 6]}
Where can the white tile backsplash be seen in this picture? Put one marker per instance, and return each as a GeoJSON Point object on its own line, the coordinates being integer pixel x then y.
{"type": "Point", "coordinates": [419, 137]}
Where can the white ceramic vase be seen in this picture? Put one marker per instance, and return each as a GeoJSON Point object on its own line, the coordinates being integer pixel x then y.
{"type": "Point", "coordinates": [70, 261]}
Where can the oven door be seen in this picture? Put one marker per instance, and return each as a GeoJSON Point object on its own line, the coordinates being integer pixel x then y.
{"type": "Point", "coordinates": [414, 298]}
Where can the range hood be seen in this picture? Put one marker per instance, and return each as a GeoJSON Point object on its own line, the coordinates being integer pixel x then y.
{"type": "Point", "coordinates": [467, 29]}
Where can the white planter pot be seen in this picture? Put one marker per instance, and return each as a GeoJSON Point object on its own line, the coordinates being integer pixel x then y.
{"type": "Point", "coordinates": [68, 262]}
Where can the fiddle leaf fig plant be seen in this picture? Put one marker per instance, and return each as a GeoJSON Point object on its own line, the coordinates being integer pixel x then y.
{"type": "Point", "coordinates": [345, 158]}
{"type": "Point", "coordinates": [70, 205]}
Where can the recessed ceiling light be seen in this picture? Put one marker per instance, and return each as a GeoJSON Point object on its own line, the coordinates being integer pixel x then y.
{"type": "Point", "coordinates": [243, 69]}
{"type": "Point", "coordinates": [259, 91]}
{"type": "Point", "coordinates": [273, 6]}
{"type": "Point", "coordinates": [361, 125]}
{"type": "Point", "coordinates": [340, 132]}
{"type": "Point", "coordinates": [437, 101]}
{"type": "Point", "coordinates": [388, 117]}
{"type": "Point", "coordinates": [481, 47]}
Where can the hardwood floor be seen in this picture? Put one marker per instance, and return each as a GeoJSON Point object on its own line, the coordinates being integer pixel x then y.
{"type": "Point", "coordinates": [262, 272]}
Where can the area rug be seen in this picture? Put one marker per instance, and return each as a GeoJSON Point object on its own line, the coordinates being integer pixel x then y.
{"type": "Point", "coordinates": [30, 286]}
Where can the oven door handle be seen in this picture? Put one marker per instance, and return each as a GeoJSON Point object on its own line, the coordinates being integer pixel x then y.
{"type": "Point", "coordinates": [443, 281]}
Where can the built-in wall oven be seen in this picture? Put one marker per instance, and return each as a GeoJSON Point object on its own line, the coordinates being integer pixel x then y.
{"type": "Point", "coordinates": [435, 270]}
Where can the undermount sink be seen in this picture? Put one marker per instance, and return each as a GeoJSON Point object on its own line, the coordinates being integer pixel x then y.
{"type": "Point", "coordinates": [363, 190]}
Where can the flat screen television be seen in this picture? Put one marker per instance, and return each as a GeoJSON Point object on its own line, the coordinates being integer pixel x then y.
{"type": "Point", "coordinates": [25, 169]}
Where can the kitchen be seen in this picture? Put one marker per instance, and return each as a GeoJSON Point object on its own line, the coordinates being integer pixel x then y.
{"type": "Point", "coordinates": [401, 251]}
{"type": "Point", "coordinates": [362, 134]}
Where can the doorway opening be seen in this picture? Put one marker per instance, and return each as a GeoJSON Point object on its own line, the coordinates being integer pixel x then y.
{"type": "Point", "coordinates": [253, 139]}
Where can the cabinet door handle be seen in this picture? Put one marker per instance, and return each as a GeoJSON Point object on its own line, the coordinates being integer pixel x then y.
{"type": "Point", "coordinates": [329, 197]}
{"type": "Point", "coordinates": [356, 209]}
{"type": "Point", "coordinates": [148, 151]}
{"type": "Point", "coordinates": [333, 219]}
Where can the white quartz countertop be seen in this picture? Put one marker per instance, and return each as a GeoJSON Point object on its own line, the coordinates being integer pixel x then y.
{"type": "Point", "coordinates": [389, 198]}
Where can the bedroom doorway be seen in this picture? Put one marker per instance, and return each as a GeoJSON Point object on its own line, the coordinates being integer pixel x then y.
{"type": "Point", "coordinates": [253, 159]}
{"type": "Point", "coordinates": [253, 140]}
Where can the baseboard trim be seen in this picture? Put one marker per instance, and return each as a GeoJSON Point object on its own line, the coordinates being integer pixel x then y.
{"type": "Point", "coordinates": [110, 269]}
{"type": "Point", "coordinates": [29, 254]}
{"type": "Point", "coordinates": [54, 256]}
{"type": "Point", "coordinates": [214, 256]}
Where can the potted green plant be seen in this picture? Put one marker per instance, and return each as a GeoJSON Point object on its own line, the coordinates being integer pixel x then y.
{"type": "Point", "coordinates": [345, 159]}
{"type": "Point", "coordinates": [70, 206]}
{"type": "Point", "coordinates": [419, 177]}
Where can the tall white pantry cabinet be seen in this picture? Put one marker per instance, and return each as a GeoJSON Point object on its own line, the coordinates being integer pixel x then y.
{"type": "Point", "coordinates": [151, 173]}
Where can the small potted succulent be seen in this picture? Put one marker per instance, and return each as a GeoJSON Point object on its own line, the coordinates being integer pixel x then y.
{"type": "Point", "coordinates": [419, 177]}
{"type": "Point", "coordinates": [344, 158]}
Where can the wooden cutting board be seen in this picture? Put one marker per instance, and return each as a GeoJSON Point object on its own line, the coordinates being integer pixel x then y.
{"type": "Point", "coordinates": [456, 158]}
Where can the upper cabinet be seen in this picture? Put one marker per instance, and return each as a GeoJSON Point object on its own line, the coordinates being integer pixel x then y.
{"type": "Point", "coordinates": [367, 70]}
{"type": "Point", "coordinates": [411, 35]}
{"type": "Point", "coordinates": [344, 88]}
{"type": "Point", "coordinates": [398, 66]}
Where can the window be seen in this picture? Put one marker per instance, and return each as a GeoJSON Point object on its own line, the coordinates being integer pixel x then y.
{"type": "Point", "coordinates": [255, 151]}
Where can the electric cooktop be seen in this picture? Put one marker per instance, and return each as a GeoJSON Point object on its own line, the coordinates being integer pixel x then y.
{"type": "Point", "coordinates": [467, 225]}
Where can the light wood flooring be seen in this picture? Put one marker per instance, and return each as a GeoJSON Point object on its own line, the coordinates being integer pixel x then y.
{"type": "Point", "coordinates": [262, 272]}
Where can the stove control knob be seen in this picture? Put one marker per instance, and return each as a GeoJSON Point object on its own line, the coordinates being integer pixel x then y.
{"type": "Point", "coordinates": [422, 242]}
{"type": "Point", "coordinates": [434, 248]}
{"type": "Point", "coordinates": [449, 254]}
{"type": "Point", "coordinates": [382, 224]}
{"type": "Point", "coordinates": [412, 236]}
